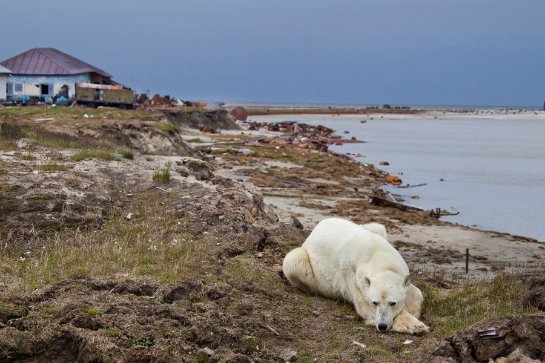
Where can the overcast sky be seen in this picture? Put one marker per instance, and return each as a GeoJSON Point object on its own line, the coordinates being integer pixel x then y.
{"type": "Point", "coordinates": [419, 52]}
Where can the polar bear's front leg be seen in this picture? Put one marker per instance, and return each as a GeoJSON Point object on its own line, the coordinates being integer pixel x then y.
{"type": "Point", "coordinates": [414, 300]}
{"type": "Point", "coordinates": [404, 322]}
{"type": "Point", "coordinates": [365, 311]}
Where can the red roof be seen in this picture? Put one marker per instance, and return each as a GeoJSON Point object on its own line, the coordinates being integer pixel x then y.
{"type": "Point", "coordinates": [49, 61]}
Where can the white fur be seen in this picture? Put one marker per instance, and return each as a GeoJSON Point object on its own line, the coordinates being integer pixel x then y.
{"type": "Point", "coordinates": [356, 263]}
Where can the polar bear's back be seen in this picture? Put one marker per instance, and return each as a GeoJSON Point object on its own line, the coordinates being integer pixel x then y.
{"type": "Point", "coordinates": [336, 245]}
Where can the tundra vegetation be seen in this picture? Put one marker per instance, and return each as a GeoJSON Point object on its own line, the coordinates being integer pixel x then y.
{"type": "Point", "coordinates": [109, 266]}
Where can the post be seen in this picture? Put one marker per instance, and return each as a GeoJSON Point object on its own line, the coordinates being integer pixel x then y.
{"type": "Point", "coordinates": [467, 260]}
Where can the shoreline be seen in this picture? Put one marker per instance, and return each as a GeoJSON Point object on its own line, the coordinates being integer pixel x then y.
{"type": "Point", "coordinates": [282, 179]}
{"type": "Point", "coordinates": [404, 198]}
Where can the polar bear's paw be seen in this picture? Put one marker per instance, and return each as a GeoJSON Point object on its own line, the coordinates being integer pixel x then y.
{"type": "Point", "coordinates": [406, 323]}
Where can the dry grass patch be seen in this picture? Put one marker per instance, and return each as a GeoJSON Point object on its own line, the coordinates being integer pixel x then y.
{"type": "Point", "coordinates": [470, 302]}
{"type": "Point", "coordinates": [93, 154]}
{"type": "Point", "coordinates": [52, 167]}
{"type": "Point", "coordinates": [152, 244]}
{"type": "Point", "coordinates": [161, 176]}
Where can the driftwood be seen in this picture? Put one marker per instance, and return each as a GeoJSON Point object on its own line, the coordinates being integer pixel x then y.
{"type": "Point", "coordinates": [376, 200]}
{"type": "Point", "coordinates": [411, 186]}
{"type": "Point", "coordinates": [438, 213]}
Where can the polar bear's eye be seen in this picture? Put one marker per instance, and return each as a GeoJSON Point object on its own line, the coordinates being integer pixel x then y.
{"type": "Point", "coordinates": [375, 302]}
{"type": "Point", "coordinates": [392, 303]}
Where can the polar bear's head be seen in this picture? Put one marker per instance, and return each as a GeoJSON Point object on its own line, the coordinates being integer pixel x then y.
{"type": "Point", "coordinates": [386, 294]}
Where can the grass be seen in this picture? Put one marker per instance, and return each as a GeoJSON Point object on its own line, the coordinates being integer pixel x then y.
{"type": "Point", "coordinates": [68, 115]}
{"type": "Point", "coordinates": [13, 131]}
{"type": "Point", "coordinates": [161, 125]}
{"type": "Point", "coordinates": [127, 154]}
{"type": "Point", "coordinates": [451, 310]}
{"type": "Point", "coordinates": [50, 310]}
{"type": "Point", "coordinates": [114, 331]}
{"type": "Point", "coordinates": [156, 246]}
{"type": "Point", "coordinates": [52, 167]}
{"type": "Point", "coordinates": [94, 312]}
{"type": "Point", "coordinates": [93, 154]}
{"type": "Point", "coordinates": [144, 342]}
{"type": "Point", "coordinates": [162, 175]}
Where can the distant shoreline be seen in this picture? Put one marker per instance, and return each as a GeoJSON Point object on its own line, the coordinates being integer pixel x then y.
{"type": "Point", "coordinates": [365, 114]}
{"type": "Point", "coordinates": [264, 110]}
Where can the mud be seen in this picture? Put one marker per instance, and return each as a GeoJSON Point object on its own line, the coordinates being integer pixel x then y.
{"type": "Point", "coordinates": [496, 341]}
{"type": "Point", "coordinates": [536, 292]}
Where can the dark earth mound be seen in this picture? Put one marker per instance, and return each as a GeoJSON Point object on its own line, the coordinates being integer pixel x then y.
{"type": "Point", "coordinates": [510, 338]}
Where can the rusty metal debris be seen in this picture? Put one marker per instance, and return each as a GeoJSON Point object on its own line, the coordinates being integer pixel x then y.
{"type": "Point", "coordinates": [491, 333]}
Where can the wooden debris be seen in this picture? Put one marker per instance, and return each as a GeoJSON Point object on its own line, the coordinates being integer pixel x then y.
{"type": "Point", "coordinates": [411, 186]}
{"type": "Point", "coordinates": [272, 330]}
{"type": "Point", "coordinates": [381, 202]}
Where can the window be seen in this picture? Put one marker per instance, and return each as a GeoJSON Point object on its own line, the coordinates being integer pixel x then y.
{"type": "Point", "coordinates": [18, 87]}
{"type": "Point", "coordinates": [44, 89]}
{"type": "Point", "coordinates": [9, 88]}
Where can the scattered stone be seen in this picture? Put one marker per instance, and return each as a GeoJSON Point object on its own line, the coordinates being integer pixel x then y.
{"type": "Point", "coordinates": [288, 355]}
{"type": "Point", "coordinates": [129, 216]}
{"type": "Point", "coordinates": [361, 345]}
{"type": "Point", "coordinates": [516, 357]}
{"type": "Point", "coordinates": [205, 352]}
{"type": "Point", "coordinates": [384, 163]}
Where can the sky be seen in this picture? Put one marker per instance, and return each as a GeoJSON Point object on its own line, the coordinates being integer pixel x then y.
{"type": "Point", "coordinates": [400, 52]}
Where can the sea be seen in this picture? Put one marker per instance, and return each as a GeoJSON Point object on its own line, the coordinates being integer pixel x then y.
{"type": "Point", "coordinates": [491, 170]}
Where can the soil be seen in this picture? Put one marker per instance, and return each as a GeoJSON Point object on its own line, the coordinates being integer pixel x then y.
{"type": "Point", "coordinates": [239, 205]}
{"type": "Point", "coordinates": [216, 120]}
{"type": "Point", "coordinates": [510, 339]}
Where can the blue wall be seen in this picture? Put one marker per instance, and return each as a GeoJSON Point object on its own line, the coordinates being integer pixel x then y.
{"type": "Point", "coordinates": [55, 82]}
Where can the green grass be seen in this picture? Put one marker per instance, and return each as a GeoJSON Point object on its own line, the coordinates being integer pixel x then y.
{"type": "Point", "coordinates": [50, 310]}
{"type": "Point", "coordinates": [155, 246]}
{"type": "Point", "coordinates": [127, 154]}
{"type": "Point", "coordinates": [161, 176]}
{"type": "Point", "coordinates": [114, 331]}
{"type": "Point", "coordinates": [93, 154]}
{"type": "Point", "coordinates": [144, 342]}
{"type": "Point", "coordinates": [65, 114]}
{"type": "Point", "coordinates": [13, 131]}
{"type": "Point", "coordinates": [94, 312]}
{"type": "Point", "coordinates": [162, 125]}
{"type": "Point", "coordinates": [52, 167]}
{"type": "Point", "coordinates": [450, 310]}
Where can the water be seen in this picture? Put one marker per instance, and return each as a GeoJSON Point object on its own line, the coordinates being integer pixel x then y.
{"type": "Point", "coordinates": [493, 169]}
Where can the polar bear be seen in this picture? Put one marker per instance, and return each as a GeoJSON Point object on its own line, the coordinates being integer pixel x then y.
{"type": "Point", "coordinates": [343, 260]}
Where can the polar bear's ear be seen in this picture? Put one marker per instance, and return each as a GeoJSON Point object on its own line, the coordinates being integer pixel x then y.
{"type": "Point", "coordinates": [377, 228]}
{"type": "Point", "coordinates": [407, 281]}
{"type": "Point", "coordinates": [366, 281]}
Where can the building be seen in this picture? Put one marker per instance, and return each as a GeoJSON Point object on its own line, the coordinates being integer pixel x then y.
{"type": "Point", "coordinates": [46, 73]}
{"type": "Point", "coordinates": [4, 73]}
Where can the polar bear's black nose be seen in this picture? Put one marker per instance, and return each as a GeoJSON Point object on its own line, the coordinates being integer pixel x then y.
{"type": "Point", "coordinates": [382, 327]}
